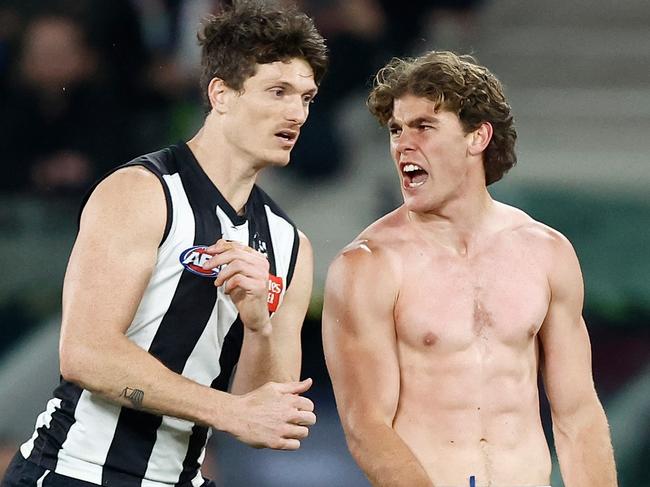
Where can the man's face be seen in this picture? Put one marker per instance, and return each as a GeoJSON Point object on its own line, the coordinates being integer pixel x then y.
{"type": "Point", "coordinates": [264, 120]}
{"type": "Point", "coordinates": [430, 150]}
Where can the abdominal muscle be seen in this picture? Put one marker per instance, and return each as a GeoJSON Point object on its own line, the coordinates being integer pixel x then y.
{"type": "Point", "coordinates": [463, 420]}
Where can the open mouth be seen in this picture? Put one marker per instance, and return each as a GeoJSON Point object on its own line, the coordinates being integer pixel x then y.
{"type": "Point", "coordinates": [413, 175]}
{"type": "Point", "coordinates": [288, 136]}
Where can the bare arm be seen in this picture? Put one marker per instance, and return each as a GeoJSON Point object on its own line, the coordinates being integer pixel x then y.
{"type": "Point", "coordinates": [361, 352]}
{"type": "Point", "coordinates": [110, 266]}
{"type": "Point", "coordinates": [276, 355]}
{"type": "Point", "coordinates": [580, 427]}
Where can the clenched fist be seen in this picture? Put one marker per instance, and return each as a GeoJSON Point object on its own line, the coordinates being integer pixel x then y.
{"type": "Point", "coordinates": [273, 416]}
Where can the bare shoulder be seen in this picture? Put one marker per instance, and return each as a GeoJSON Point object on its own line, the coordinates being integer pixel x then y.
{"type": "Point", "coordinates": [371, 259]}
{"type": "Point", "coordinates": [130, 198]}
{"type": "Point", "coordinates": [305, 243]}
{"type": "Point", "coordinates": [535, 234]}
{"type": "Point", "coordinates": [374, 248]}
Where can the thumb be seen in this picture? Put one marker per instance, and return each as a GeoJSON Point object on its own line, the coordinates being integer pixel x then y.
{"type": "Point", "coordinates": [296, 387]}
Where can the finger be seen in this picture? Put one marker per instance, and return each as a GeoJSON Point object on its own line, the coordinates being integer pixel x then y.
{"type": "Point", "coordinates": [297, 432]}
{"type": "Point", "coordinates": [303, 403]}
{"type": "Point", "coordinates": [304, 418]}
{"type": "Point", "coordinates": [244, 269]}
{"type": "Point", "coordinates": [229, 256]}
{"type": "Point", "coordinates": [246, 285]}
{"type": "Point", "coordinates": [287, 444]}
{"type": "Point", "coordinates": [295, 387]}
{"type": "Point", "coordinates": [220, 245]}
{"type": "Point", "coordinates": [223, 245]}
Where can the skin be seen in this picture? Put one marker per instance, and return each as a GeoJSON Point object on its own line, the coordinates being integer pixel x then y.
{"type": "Point", "coordinates": [438, 318]}
{"type": "Point", "coordinates": [120, 245]}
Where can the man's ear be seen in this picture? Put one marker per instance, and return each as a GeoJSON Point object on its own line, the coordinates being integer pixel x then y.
{"type": "Point", "coordinates": [480, 138]}
{"type": "Point", "coordinates": [217, 94]}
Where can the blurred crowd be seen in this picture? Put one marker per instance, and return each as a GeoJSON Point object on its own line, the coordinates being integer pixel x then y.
{"type": "Point", "coordinates": [86, 85]}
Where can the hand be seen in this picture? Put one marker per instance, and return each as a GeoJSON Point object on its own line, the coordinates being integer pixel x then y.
{"type": "Point", "coordinates": [273, 416]}
{"type": "Point", "coordinates": [245, 277]}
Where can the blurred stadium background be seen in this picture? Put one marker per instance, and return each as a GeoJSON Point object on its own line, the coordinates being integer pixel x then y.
{"type": "Point", "coordinates": [88, 84]}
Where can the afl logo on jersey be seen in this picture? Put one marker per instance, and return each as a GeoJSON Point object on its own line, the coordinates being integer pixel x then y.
{"type": "Point", "coordinates": [193, 260]}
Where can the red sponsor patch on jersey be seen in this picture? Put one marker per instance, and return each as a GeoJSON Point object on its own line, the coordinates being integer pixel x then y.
{"type": "Point", "coordinates": [275, 291]}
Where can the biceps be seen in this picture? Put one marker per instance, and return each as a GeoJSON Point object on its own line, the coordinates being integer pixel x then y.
{"type": "Point", "coordinates": [103, 287]}
{"type": "Point", "coordinates": [364, 370]}
{"type": "Point", "coordinates": [567, 365]}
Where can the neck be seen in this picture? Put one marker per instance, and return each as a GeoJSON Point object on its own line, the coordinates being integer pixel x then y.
{"type": "Point", "coordinates": [459, 224]}
{"type": "Point", "coordinates": [230, 171]}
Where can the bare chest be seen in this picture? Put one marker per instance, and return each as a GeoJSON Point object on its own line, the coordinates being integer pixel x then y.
{"type": "Point", "coordinates": [449, 304]}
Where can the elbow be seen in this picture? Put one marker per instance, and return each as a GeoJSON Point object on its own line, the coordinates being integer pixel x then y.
{"type": "Point", "coordinates": [74, 363]}
{"type": "Point", "coordinates": [357, 433]}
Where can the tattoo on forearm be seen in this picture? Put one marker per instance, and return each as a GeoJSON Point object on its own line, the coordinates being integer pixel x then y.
{"type": "Point", "coordinates": [134, 395]}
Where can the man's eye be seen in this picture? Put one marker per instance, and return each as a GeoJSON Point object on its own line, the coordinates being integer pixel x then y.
{"type": "Point", "coordinates": [278, 91]}
{"type": "Point", "coordinates": [395, 131]}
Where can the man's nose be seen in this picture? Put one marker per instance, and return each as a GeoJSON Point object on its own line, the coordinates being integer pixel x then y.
{"type": "Point", "coordinates": [297, 111]}
{"type": "Point", "coordinates": [404, 142]}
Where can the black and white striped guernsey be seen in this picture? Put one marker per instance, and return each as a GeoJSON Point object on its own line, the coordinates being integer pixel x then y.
{"type": "Point", "coordinates": [182, 320]}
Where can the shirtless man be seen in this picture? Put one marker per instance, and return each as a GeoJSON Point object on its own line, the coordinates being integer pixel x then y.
{"type": "Point", "coordinates": [439, 316]}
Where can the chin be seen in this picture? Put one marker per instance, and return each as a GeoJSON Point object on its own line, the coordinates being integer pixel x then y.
{"type": "Point", "coordinates": [275, 159]}
{"type": "Point", "coordinates": [280, 161]}
{"type": "Point", "coordinates": [417, 204]}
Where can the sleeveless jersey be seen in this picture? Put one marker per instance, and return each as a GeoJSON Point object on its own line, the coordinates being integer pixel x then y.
{"type": "Point", "coordinates": [185, 322]}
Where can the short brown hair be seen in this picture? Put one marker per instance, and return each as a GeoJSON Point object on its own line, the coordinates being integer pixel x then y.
{"type": "Point", "coordinates": [251, 32]}
{"type": "Point", "coordinates": [456, 84]}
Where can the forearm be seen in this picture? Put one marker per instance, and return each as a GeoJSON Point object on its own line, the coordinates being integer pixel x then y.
{"type": "Point", "coordinates": [384, 457]}
{"type": "Point", "coordinates": [265, 359]}
{"type": "Point", "coordinates": [125, 374]}
{"type": "Point", "coordinates": [585, 450]}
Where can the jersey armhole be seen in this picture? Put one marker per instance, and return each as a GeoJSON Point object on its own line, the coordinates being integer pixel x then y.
{"type": "Point", "coordinates": [294, 256]}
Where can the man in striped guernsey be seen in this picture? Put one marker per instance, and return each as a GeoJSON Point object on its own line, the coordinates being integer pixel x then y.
{"type": "Point", "coordinates": [187, 281]}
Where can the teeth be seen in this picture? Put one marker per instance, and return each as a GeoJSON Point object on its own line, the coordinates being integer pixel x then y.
{"type": "Point", "coordinates": [415, 185]}
{"type": "Point", "coordinates": [411, 168]}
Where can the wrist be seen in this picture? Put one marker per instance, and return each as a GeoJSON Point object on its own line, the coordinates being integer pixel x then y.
{"type": "Point", "coordinates": [263, 329]}
{"type": "Point", "coordinates": [223, 412]}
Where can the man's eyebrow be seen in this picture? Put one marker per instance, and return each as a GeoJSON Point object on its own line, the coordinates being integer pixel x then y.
{"type": "Point", "coordinates": [420, 120]}
{"type": "Point", "coordinates": [287, 84]}
{"type": "Point", "coordinates": [414, 122]}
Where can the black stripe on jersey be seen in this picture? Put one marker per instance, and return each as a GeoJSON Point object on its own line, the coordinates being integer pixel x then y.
{"type": "Point", "coordinates": [192, 305]}
{"type": "Point", "coordinates": [229, 357]}
{"type": "Point", "coordinates": [191, 463]}
{"type": "Point", "coordinates": [49, 440]}
{"type": "Point", "coordinates": [294, 256]}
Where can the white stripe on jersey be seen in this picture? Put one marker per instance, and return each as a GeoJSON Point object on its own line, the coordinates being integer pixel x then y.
{"type": "Point", "coordinates": [42, 420]}
{"type": "Point", "coordinates": [166, 460]}
{"type": "Point", "coordinates": [83, 454]}
{"type": "Point", "coordinates": [282, 236]}
{"type": "Point", "coordinates": [39, 482]}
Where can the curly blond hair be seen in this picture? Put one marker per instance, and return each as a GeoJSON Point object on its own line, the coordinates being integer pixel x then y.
{"type": "Point", "coordinates": [454, 83]}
